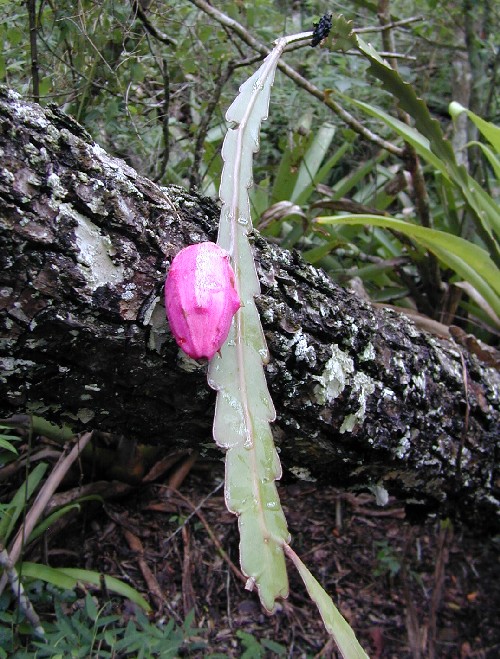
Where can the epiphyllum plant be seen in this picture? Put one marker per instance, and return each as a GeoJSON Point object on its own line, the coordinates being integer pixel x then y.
{"type": "Point", "coordinates": [244, 409]}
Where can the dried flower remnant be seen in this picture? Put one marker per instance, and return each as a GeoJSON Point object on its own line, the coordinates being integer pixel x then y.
{"type": "Point", "coordinates": [201, 299]}
{"type": "Point", "coordinates": [321, 29]}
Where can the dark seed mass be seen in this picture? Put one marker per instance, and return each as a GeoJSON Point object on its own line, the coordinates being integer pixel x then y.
{"type": "Point", "coordinates": [321, 29]}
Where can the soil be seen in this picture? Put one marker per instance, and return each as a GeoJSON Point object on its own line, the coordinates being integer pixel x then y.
{"type": "Point", "coordinates": [409, 589]}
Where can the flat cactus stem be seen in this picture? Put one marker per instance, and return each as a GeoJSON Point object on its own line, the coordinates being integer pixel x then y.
{"type": "Point", "coordinates": [244, 408]}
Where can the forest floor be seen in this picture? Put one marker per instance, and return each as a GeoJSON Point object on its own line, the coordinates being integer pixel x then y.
{"type": "Point", "coordinates": [409, 590]}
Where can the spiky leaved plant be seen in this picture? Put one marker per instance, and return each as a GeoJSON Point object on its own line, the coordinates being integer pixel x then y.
{"type": "Point", "coordinates": [244, 408]}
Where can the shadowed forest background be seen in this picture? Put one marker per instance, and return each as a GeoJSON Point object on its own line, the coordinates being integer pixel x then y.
{"type": "Point", "coordinates": [398, 514]}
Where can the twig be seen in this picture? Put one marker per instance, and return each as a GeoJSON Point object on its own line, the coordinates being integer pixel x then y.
{"type": "Point", "coordinates": [164, 120]}
{"type": "Point", "coordinates": [384, 53]}
{"type": "Point", "coordinates": [412, 624]}
{"type": "Point", "coordinates": [17, 588]}
{"type": "Point", "coordinates": [445, 535]}
{"type": "Point", "coordinates": [196, 511]}
{"type": "Point", "coordinates": [43, 497]}
{"type": "Point", "coordinates": [188, 598]}
{"type": "Point", "coordinates": [44, 454]}
{"type": "Point", "coordinates": [347, 205]}
{"type": "Point", "coordinates": [430, 266]}
{"type": "Point", "coordinates": [35, 72]}
{"type": "Point", "coordinates": [222, 78]}
{"type": "Point", "coordinates": [104, 489]}
{"type": "Point", "coordinates": [149, 27]}
{"type": "Point", "coordinates": [299, 80]}
{"type": "Point", "coordinates": [393, 24]}
{"type": "Point", "coordinates": [153, 586]}
{"type": "Point", "coordinates": [177, 478]}
{"type": "Point", "coordinates": [163, 465]}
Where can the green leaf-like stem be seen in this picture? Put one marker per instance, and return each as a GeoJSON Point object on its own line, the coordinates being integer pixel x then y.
{"type": "Point", "coordinates": [244, 408]}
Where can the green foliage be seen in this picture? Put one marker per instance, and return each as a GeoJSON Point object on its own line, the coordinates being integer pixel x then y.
{"type": "Point", "coordinates": [387, 560]}
{"type": "Point", "coordinates": [13, 514]}
{"type": "Point", "coordinates": [467, 259]}
{"type": "Point", "coordinates": [334, 622]}
{"type": "Point", "coordinates": [82, 628]}
{"type": "Point", "coordinates": [68, 578]}
{"type": "Point", "coordinates": [19, 502]}
{"type": "Point", "coordinates": [439, 152]}
{"type": "Point", "coordinates": [488, 130]}
{"type": "Point", "coordinates": [454, 198]}
{"type": "Point", "coordinates": [255, 649]}
{"type": "Point", "coordinates": [8, 451]}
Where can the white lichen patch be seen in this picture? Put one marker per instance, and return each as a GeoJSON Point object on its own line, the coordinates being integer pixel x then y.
{"type": "Point", "coordinates": [419, 381]}
{"type": "Point", "coordinates": [85, 414]}
{"type": "Point", "coordinates": [388, 393]}
{"type": "Point", "coordinates": [94, 251]}
{"type": "Point", "coordinates": [123, 173]}
{"type": "Point", "coordinates": [189, 365]}
{"type": "Point", "coordinates": [368, 353]}
{"type": "Point", "coordinates": [400, 367]}
{"type": "Point", "coordinates": [293, 294]}
{"type": "Point", "coordinates": [333, 380]}
{"type": "Point", "coordinates": [30, 115]}
{"type": "Point", "coordinates": [452, 369]}
{"type": "Point", "coordinates": [303, 351]}
{"type": "Point", "coordinates": [10, 365]}
{"type": "Point", "coordinates": [324, 310]}
{"type": "Point", "coordinates": [158, 324]}
{"type": "Point", "coordinates": [404, 445]}
{"type": "Point", "coordinates": [129, 292]}
{"type": "Point", "coordinates": [362, 385]}
{"type": "Point", "coordinates": [97, 206]}
{"type": "Point", "coordinates": [58, 190]}
{"type": "Point", "coordinates": [303, 474]}
{"type": "Point", "coordinates": [92, 387]}
{"type": "Point", "coordinates": [268, 314]}
{"type": "Point", "coordinates": [338, 373]}
{"type": "Point", "coordinates": [7, 176]}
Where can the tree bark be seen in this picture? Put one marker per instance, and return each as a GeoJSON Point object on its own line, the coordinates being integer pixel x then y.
{"type": "Point", "coordinates": [363, 396]}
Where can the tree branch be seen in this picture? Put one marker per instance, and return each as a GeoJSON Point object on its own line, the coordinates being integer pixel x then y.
{"type": "Point", "coordinates": [363, 397]}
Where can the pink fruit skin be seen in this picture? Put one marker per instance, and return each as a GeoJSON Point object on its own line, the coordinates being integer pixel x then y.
{"type": "Point", "coordinates": [201, 299]}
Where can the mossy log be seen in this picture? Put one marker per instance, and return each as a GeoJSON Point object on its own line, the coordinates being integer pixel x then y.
{"type": "Point", "coordinates": [363, 396]}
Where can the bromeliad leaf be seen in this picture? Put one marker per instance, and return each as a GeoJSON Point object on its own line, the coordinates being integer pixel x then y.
{"type": "Point", "coordinates": [488, 129]}
{"type": "Point", "coordinates": [468, 260]}
{"type": "Point", "coordinates": [484, 209]}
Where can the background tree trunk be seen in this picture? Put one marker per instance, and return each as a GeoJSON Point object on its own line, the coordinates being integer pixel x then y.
{"type": "Point", "coordinates": [363, 397]}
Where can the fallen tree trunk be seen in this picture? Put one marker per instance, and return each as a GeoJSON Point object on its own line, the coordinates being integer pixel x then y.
{"type": "Point", "coordinates": [363, 397]}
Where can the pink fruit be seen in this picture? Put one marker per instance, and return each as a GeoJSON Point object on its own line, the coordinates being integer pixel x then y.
{"type": "Point", "coordinates": [201, 299]}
